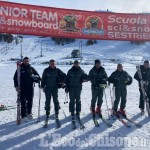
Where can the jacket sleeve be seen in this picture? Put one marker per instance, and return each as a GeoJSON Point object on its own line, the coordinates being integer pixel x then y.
{"type": "Point", "coordinates": [128, 79]}
{"type": "Point", "coordinates": [35, 72]}
{"type": "Point", "coordinates": [43, 81]}
{"type": "Point", "coordinates": [105, 75]}
{"type": "Point", "coordinates": [111, 78]}
{"type": "Point", "coordinates": [15, 79]}
{"type": "Point", "coordinates": [90, 76]}
{"type": "Point", "coordinates": [136, 76]}
{"type": "Point", "coordinates": [67, 78]}
{"type": "Point", "coordinates": [62, 76]}
{"type": "Point", "coordinates": [84, 76]}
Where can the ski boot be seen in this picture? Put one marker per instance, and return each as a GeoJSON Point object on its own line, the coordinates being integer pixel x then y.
{"type": "Point", "coordinates": [58, 124]}
{"type": "Point", "coordinates": [46, 119]}
{"type": "Point", "coordinates": [122, 112]}
{"type": "Point", "coordinates": [98, 111]}
{"type": "Point", "coordinates": [115, 113]}
{"type": "Point", "coordinates": [73, 121]}
{"type": "Point", "coordinates": [142, 111]}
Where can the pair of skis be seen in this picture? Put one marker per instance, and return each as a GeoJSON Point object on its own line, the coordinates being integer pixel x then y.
{"type": "Point", "coordinates": [2, 107]}
{"type": "Point", "coordinates": [58, 124]}
{"type": "Point", "coordinates": [145, 97]}
{"type": "Point", "coordinates": [128, 119]}
{"type": "Point", "coordinates": [121, 119]}
{"type": "Point", "coordinates": [103, 119]}
{"type": "Point", "coordinates": [74, 125]}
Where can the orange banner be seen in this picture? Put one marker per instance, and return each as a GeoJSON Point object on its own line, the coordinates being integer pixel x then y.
{"type": "Point", "coordinates": [18, 18]}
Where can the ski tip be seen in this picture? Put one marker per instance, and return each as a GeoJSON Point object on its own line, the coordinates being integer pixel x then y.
{"type": "Point", "coordinates": [73, 128]}
{"type": "Point", "coordinates": [37, 121]}
{"type": "Point", "coordinates": [58, 126]}
{"type": "Point", "coordinates": [82, 127]}
{"type": "Point", "coordinates": [110, 125]}
{"type": "Point", "coordinates": [128, 126]}
{"type": "Point", "coordinates": [138, 125]}
{"type": "Point", "coordinates": [96, 125]}
{"type": "Point", "coordinates": [45, 126]}
{"type": "Point", "coordinates": [18, 122]}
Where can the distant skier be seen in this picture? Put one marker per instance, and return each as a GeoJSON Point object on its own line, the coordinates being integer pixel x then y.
{"type": "Point", "coordinates": [75, 77]}
{"type": "Point", "coordinates": [28, 75]}
{"type": "Point", "coordinates": [98, 78]}
{"type": "Point", "coordinates": [52, 79]}
{"type": "Point", "coordinates": [120, 80]}
{"type": "Point", "coordinates": [145, 72]}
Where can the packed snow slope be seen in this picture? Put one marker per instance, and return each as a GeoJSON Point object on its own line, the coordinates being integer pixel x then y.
{"type": "Point", "coordinates": [31, 46]}
{"type": "Point", "coordinates": [30, 135]}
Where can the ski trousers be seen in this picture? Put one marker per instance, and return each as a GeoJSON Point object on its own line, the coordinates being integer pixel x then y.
{"type": "Point", "coordinates": [26, 98]}
{"type": "Point", "coordinates": [120, 93]}
{"type": "Point", "coordinates": [75, 101]}
{"type": "Point", "coordinates": [97, 96]}
{"type": "Point", "coordinates": [51, 92]}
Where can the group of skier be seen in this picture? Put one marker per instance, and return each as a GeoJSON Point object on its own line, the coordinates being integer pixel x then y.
{"type": "Point", "coordinates": [53, 78]}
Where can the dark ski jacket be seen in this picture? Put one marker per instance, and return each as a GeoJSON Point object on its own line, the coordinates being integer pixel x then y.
{"type": "Point", "coordinates": [52, 77]}
{"type": "Point", "coordinates": [145, 75]}
{"type": "Point", "coordinates": [120, 79]}
{"type": "Point", "coordinates": [75, 77]}
{"type": "Point", "coordinates": [26, 73]}
{"type": "Point", "coordinates": [97, 76]}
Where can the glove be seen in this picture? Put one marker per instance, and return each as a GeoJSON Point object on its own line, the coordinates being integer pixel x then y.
{"type": "Point", "coordinates": [66, 90]}
{"type": "Point", "coordinates": [18, 89]}
{"type": "Point", "coordinates": [39, 86]}
{"type": "Point", "coordinates": [35, 78]}
{"type": "Point", "coordinates": [127, 80]}
{"type": "Point", "coordinates": [145, 82]}
{"type": "Point", "coordinates": [103, 85]}
{"type": "Point", "coordinates": [103, 81]}
{"type": "Point", "coordinates": [61, 85]}
{"type": "Point", "coordinates": [44, 90]}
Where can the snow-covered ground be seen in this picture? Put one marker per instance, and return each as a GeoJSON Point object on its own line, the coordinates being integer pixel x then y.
{"type": "Point", "coordinates": [104, 50]}
{"type": "Point", "coordinates": [30, 135]}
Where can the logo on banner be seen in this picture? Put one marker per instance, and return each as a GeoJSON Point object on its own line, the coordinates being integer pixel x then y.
{"type": "Point", "coordinates": [93, 26]}
{"type": "Point", "coordinates": [69, 23]}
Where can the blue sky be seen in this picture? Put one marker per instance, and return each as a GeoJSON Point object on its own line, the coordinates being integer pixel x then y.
{"type": "Point", "coordinates": [126, 6]}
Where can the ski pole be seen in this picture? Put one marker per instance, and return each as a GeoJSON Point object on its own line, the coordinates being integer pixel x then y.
{"type": "Point", "coordinates": [18, 94]}
{"type": "Point", "coordinates": [38, 118]}
{"type": "Point", "coordinates": [66, 101]}
{"type": "Point", "coordinates": [66, 98]}
{"type": "Point", "coordinates": [112, 101]}
{"type": "Point", "coordinates": [106, 104]}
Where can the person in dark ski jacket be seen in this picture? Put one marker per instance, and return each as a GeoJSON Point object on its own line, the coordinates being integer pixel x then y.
{"type": "Point", "coordinates": [52, 79]}
{"type": "Point", "coordinates": [120, 79]}
{"type": "Point", "coordinates": [28, 75]}
{"type": "Point", "coordinates": [98, 78]}
{"type": "Point", "coordinates": [145, 72]}
{"type": "Point", "coordinates": [75, 77]}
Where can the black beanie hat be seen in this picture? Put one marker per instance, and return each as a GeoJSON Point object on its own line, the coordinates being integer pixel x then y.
{"type": "Point", "coordinates": [97, 61]}
{"type": "Point", "coordinates": [146, 61]}
{"type": "Point", "coordinates": [76, 62]}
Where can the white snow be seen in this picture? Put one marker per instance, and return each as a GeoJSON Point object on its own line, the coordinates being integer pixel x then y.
{"type": "Point", "coordinates": [30, 135]}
